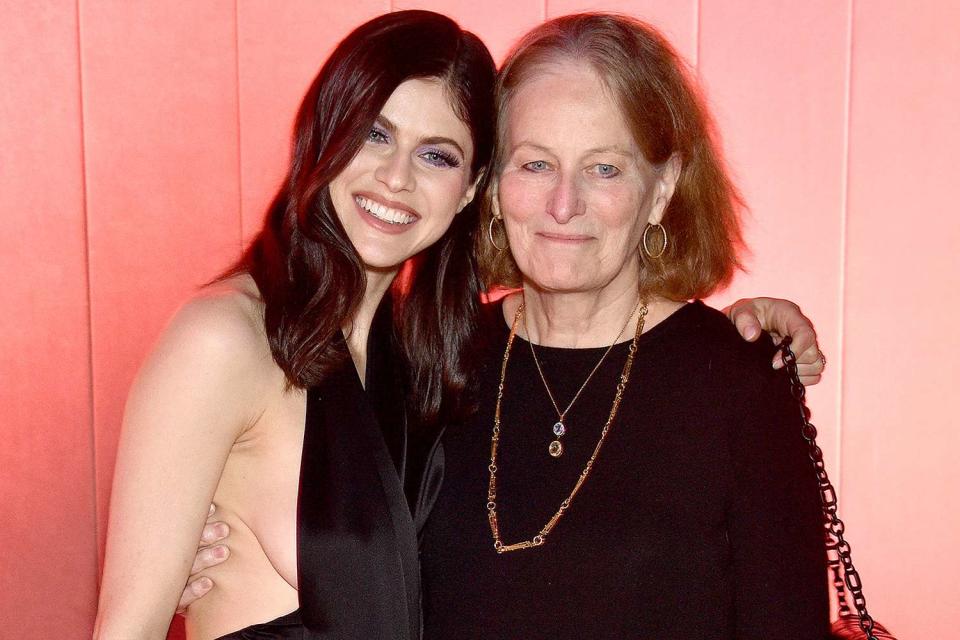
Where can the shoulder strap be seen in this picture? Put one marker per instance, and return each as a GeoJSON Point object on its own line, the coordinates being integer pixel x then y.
{"type": "Point", "coordinates": [838, 549]}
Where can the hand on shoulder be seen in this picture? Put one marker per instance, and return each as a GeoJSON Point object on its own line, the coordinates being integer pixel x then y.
{"type": "Point", "coordinates": [781, 318]}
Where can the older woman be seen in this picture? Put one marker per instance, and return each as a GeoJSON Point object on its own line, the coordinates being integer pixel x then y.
{"type": "Point", "coordinates": [635, 469]}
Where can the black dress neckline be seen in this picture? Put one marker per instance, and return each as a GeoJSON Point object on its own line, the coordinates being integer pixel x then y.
{"type": "Point", "coordinates": [357, 556]}
{"type": "Point", "coordinates": [671, 323]}
{"type": "Point", "coordinates": [357, 561]}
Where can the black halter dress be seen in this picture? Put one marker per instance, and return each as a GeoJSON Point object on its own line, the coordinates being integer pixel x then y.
{"type": "Point", "coordinates": [363, 497]}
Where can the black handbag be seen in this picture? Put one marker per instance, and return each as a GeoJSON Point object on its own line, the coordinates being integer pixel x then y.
{"type": "Point", "coordinates": [850, 625]}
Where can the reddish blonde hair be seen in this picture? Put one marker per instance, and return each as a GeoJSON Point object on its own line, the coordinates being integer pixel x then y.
{"type": "Point", "coordinates": [661, 105]}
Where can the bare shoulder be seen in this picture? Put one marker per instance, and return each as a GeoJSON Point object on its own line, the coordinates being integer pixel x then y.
{"type": "Point", "coordinates": [224, 321]}
{"type": "Point", "coordinates": [215, 347]}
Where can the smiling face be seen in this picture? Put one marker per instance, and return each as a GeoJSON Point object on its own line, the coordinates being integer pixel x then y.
{"type": "Point", "coordinates": [400, 192]}
{"type": "Point", "coordinates": [574, 188]}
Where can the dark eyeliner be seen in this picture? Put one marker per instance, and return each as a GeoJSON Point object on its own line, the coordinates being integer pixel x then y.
{"type": "Point", "coordinates": [381, 135]}
{"type": "Point", "coordinates": [448, 158]}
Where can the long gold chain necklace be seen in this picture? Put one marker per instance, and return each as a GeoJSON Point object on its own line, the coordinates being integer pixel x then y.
{"type": "Point", "coordinates": [541, 537]}
{"type": "Point", "coordinates": [560, 427]}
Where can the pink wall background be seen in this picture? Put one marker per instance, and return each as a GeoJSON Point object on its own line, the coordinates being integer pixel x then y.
{"type": "Point", "coordinates": [140, 143]}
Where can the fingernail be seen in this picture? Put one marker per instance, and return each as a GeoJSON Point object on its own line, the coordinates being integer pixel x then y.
{"type": "Point", "coordinates": [219, 553]}
{"type": "Point", "coordinates": [212, 508]}
{"type": "Point", "coordinates": [222, 530]}
{"type": "Point", "coordinates": [777, 364]}
{"type": "Point", "coordinates": [205, 583]}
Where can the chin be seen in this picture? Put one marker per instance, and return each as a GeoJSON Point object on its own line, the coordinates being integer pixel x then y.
{"type": "Point", "coordinates": [383, 252]}
{"type": "Point", "coordinates": [560, 282]}
{"type": "Point", "coordinates": [380, 257]}
{"type": "Point", "coordinates": [550, 271]}
{"type": "Point", "coordinates": [383, 263]}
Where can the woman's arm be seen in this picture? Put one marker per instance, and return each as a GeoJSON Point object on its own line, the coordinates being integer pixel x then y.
{"type": "Point", "coordinates": [775, 519]}
{"type": "Point", "coordinates": [189, 404]}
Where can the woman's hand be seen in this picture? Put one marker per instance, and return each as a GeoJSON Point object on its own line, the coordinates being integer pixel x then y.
{"type": "Point", "coordinates": [209, 554]}
{"type": "Point", "coordinates": [781, 318]}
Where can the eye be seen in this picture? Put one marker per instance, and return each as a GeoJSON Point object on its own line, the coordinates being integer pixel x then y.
{"type": "Point", "coordinates": [440, 158]}
{"type": "Point", "coordinates": [378, 136]}
{"type": "Point", "coordinates": [606, 170]}
{"type": "Point", "coordinates": [536, 166]}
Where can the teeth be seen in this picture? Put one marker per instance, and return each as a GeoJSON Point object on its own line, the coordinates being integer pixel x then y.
{"type": "Point", "coordinates": [377, 210]}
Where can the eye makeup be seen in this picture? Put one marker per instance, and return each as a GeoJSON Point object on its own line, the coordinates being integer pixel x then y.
{"type": "Point", "coordinates": [380, 133]}
{"type": "Point", "coordinates": [440, 158]}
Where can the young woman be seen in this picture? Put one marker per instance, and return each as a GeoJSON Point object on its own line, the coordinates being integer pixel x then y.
{"type": "Point", "coordinates": [350, 528]}
{"type": "Point", "coordinates": [269, 365]}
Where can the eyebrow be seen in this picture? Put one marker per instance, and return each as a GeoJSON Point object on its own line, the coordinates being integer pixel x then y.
{"type": "Point", "coordinates": [530, 145]}
{"type": "Point", "coordinates": [613, 148]}
{"type": "Point", "coordinates": [392, 129]}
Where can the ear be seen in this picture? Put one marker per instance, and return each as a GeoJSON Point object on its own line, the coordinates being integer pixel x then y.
{"type": "Point", "coordinates": [471, 191]}
{"type": "Point", "coordinates": [495, 198]}
{"type": "Point", "coordinates": [669, 173]}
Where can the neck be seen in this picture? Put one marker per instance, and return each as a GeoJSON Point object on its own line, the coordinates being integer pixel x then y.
{"type": "Point", "coordinates": [577, 320]}
{"type": "Point", "coordinates": [357, 329]}
{"type": "Point", "coordinates": [585, 319]}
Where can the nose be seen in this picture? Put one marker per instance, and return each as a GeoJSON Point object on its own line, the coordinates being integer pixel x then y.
{"type": "Point", "coordinates": [565, 201]}
{"type": "Point", "coordinates": [396, 172]}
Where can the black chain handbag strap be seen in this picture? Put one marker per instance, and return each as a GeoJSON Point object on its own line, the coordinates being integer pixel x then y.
{"type": "Point", "coordinates": [843, 574]}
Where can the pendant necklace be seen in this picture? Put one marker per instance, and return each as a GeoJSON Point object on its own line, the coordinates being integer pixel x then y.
{"type": "Point", "coordinates": [492, 517]}
{"type": "Point", "coordinates": [560, 427]}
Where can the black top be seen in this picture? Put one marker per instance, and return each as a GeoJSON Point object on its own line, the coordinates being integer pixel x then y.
{"type": "Point", "coordinates": [356, 537]}
{"type": "Point", "coordinates": [700, 519]}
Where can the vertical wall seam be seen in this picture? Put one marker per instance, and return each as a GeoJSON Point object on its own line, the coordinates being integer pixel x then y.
{"type": "Point", "coordinates": [85, 215]}
{"type": "Point", "coordinates": [544, 10]}
{"type": "Point", "coordinates": [696, 35]}
{"type": "Point", "coordinates": [236, 60]}
{"type": "Point", "coordinates": [844, 241]}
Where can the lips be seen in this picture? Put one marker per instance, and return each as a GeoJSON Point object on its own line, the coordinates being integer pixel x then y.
{"type": "Point", "coordinates": [566, 238]}
{"type": "Point", "coordinates": [390, 214]}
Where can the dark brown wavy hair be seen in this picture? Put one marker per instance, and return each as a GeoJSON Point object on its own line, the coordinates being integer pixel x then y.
{"type": "Point", "coordinates": [663, 108]}
{"type": "Point", "coordinates": [310, 277]}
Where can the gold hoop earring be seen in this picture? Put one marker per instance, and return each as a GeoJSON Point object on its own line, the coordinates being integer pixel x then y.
{"type": "Point", "coordinates": [646, 246]}
{"type": "Point", "coordinates": [490, 235]}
